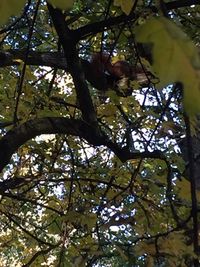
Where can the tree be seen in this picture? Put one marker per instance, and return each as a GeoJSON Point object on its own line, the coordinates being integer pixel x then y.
{"type": "Point", "coordinates": [94, 177]}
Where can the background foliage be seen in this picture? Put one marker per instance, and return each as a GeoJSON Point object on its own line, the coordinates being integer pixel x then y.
{"type": "Point", "coordinates": [92, 178]}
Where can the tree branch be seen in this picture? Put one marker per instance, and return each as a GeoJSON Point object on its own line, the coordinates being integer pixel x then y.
{"type": "Point", "coordinates": [68, 42]}
{"type": "Point", "coordinates": [24, 132]}
{"type": "Point", "coordinates": [181, 3]}
{"type": "Point", "coordinates": [48, 59]}
{"type": "Point", "coordinates": [97, 27]}
{"type": "Point", "coordinates": [57, 60]}
{"type": "Point", "coordinates": [59, 125]}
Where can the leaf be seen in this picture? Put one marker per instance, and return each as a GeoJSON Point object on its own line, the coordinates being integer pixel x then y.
{"type": "Point", "coordinates": [9, 8]}
{"type": "Point", "coordinates": [184, 189]}
{"type": "Point", "coordinates": [62, 4]}
{"type": "Point", "coordinates": [176, 245]}
{"type": "Point", "coordinates": [126, 5]}
{"type": "Point", "coordinates": [108, 110]}
{"type": "Point", "coordinates": [113, 96]}
{"type": "Point", "coordinates": [145, 248]}
{"type": "Point", "coordinates": [175, 58]}
{"type": "Point", "coordinates": [149, 262]}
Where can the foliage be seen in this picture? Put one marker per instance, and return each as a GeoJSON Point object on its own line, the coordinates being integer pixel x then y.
{"type": "Point", "coordinates": [175, 57]}
{"type": "Point", "coordinates": [92, 177]}
{"type": "Point", "coordinates": [126, 6]}
{"type": "Point", "coordinates": [13, 7]}
{"type": "Point", "coordinates": [9, 8]}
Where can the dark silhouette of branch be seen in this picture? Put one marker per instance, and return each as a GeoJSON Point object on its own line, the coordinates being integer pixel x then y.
{"type": "Point", "coordinates": [14, 24]}
{"type": "Point", "coordinates": [68, 41]}
{"type": "Point", "coordinates": [22, 75]}
{"type": "Point", "coordinates": [58, 125]}
{"type": "Point", "coordinates": [194, 211]}
{"type": "Point", "coordinates": [49, 59]}
{"type": "Point", "coordinates": [181, 3]}
{"type": "Point", "coordinates": [58, 61]}
{"type": "Point", "coordinates": [96, 27]}
{"type": "Point", "coordinates": [37, 254]}
{"type": "Point", "coordinates": [15, 219]}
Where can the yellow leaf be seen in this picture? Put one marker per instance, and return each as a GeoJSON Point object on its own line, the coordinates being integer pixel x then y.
{"type": "Point", "coordinates": [18, 60]}
{"type": "Point", "coordinates": [117, 58]}
{"type": "Point", "coordinates": [149, 262]}
{"type": "Point", "coordinates": [175, 245]}
{"type": "Point", "coordinates": [126, 5]}
{"type": "Point", "coordinates": [145, 248]}
{"type": "Point", "coordinates": [62, 4]}
{"type": "Point", "coordinates": [108, 110]}
{"type": "Point", "coordinates": [184, 189]}
{"type": "Point", "coordinates": [9, 8]}
{"type": "Point", "coordinates": [175, 58]}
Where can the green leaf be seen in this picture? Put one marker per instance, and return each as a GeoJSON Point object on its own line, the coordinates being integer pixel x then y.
{"type": "Point", "coordinates": [175, 58]}
{"type": "Point", "coordinates": [126, 5]}
{"type": "Point", "coordinates": [9, 8]}
{"type": "Point", "coordinates": [62, 4]}
{"type": "Point", "coordinates": [184, 189]}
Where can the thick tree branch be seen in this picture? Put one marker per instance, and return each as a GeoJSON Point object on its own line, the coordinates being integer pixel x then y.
{"type": "Point", "coordinates": [48, 59]}
{"type": "Point", "coordinates": [57, 60]}
{"type": "Point", "coordinates": [181, 3]}
{"type": "Point", "coordinates": [68, 42]}
{"type": "Point", "coordinates": [59, 125]}
{"type": "Point", "coordinates": [97, 27]}
{"type": "Point", "coordinates": [21, 134]}
{"type": "Point", "coordinates": [192, 171]}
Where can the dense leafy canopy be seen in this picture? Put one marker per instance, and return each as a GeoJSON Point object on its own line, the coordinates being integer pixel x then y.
{"type": "Point", "coordinates": [93, 177]}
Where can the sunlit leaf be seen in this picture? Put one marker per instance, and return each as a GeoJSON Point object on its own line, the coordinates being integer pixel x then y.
{"type": "Point", "coordinates": [184, 189]}
{"type": "Point", "coordinates": [126, 5]}
{"type": "Point", "coordinates": [175, 58]}
{"type": "Point", "coordinates": [146, 248]}
{"type": "Point", "coordinates": [10, 8]}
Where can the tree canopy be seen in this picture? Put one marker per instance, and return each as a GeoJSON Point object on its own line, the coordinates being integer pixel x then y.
{"type": "Point", "coordinates": [99, 170]}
